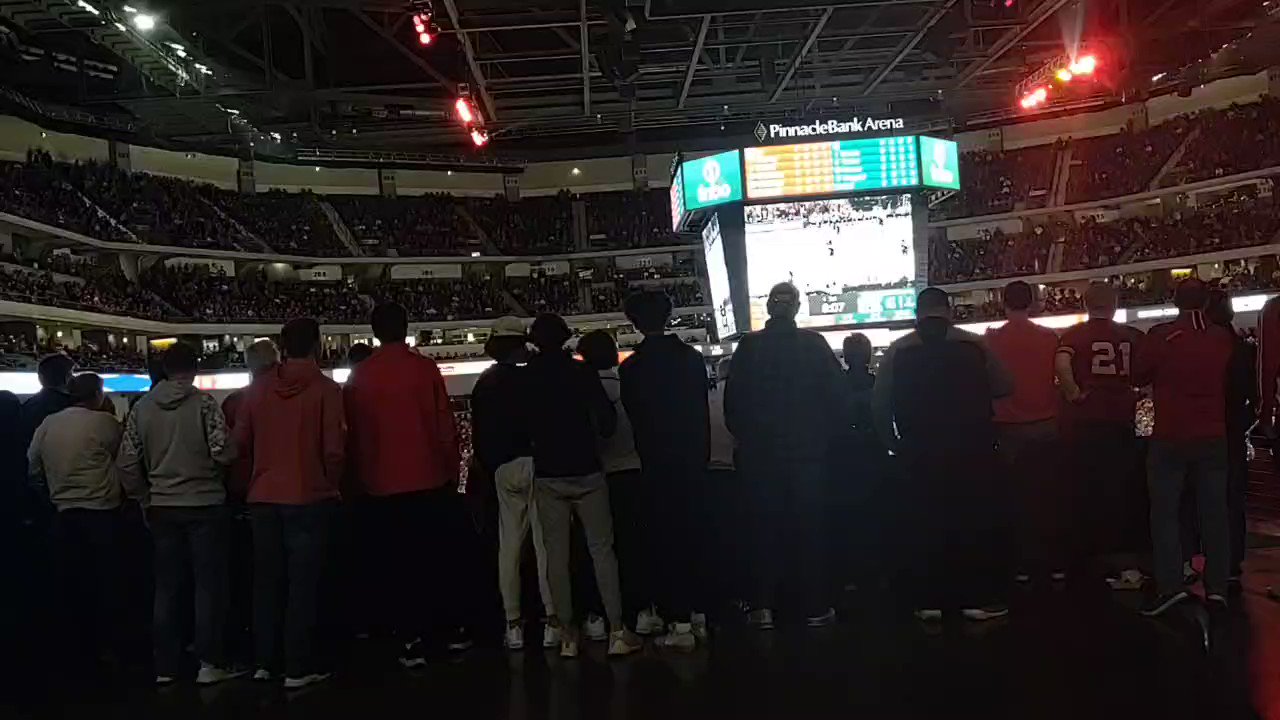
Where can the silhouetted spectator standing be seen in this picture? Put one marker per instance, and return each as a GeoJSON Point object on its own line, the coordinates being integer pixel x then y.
{"type": "Point", "coordinates": [73, 455]}
{"type": "Point", "coordinates": [292, 426]}
{"type": "Point", "coordinates": [1186, 362]}
{"type": "Point", "coordinates": [1027, 437]}
{"type": "Point", "coordinates": [54, 372]}
{"type": "Point", "coordinates": [174, 456]}
{"type": "Point", "coordinates": [569, 413]}
{"type": "Point", "coordinates": [500, 436]}
{"type": "Point", "coordinates": [261, 358]}
{"type": "Point", "coordinates": [403, 448]}
{"type": "Point", "coordinates": [949, 458]}
{"type": "Point", "coordinates": [861, 507]}
{"type": "Point", "coordinates": [664, 391]}
{"type": "Point", "coordinates": [784, 403]}
{"type": "Point", "coordinates": [1242, 404]}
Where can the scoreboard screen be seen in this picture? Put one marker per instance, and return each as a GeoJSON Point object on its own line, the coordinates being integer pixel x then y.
{"type": "Point", "coordinates": [837, 166]}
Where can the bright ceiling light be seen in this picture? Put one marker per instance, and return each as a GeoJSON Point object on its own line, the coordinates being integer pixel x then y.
{"type": "Point", "coordinates": [130, 9]}
{"type": "Point", "coordinates": [1084, 65]}
{"type": "Point", "coordinates": [1064, 75]}
{"type": "Point", "coordinates": [144, 22]}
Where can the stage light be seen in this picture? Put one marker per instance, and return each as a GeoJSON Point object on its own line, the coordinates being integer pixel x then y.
{"type": "Point", "coordinates": [425, 29]}
{"type": "Point", "coordinates": [144, 22]}
{"type": "Point", "coordinates": [1064, 75]}
{"type": "Point", "coordinates": [480, 137]}
{"type": "Point", "coordinates": [1084, 65]}
{"type": "Point", "coordinates": [465, 113]}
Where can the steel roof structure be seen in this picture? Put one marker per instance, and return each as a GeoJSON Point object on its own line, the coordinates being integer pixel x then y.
{"type": "Point", "coordinates": [559, 78]}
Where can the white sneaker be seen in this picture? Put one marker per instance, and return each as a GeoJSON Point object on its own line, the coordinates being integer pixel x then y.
{"type": "Point", "coordinates": [263, 675]}
{"type": "Point", "coordinates": [649, 622]}
{"type": "Point", "coordinates": [680, 638]}
{"type": "Point", "coordinates": [514, 637]}
{"type": "Point", "coordinates": [211, 675]}
{"type": "Point", "coordinates": [622, 642]}
{"type": "Point", "coordinates": [550, 636]}
{"type": "Point", "coordinates": [297, 683]}
{"type": "Point", "coordinates": [568, 646]}
{"type": "Point", "coordinates": [163, 680]}
{"type": "Point", "coordinates": [699, 623]}
{"type": "Point", "coordinates": [761, 619]}
{"type": "Point", "coordinates": [928, 615]}
{"type": "Point", "coordinates": [595, 629]}
{"type": "Point", "coordinates": [990, 612]}
{"type": "Point", "coordinates": [1129, 580]}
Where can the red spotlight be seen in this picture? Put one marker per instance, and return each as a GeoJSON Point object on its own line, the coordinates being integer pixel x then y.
{"type": "Point", "coordinates": [480, 137]}
{"type": "Point", "coordinates": [425, 29]}
{"type": "Point", "coordinates": [424, 38]}
{"type": "Point", "coordinates": [465, 113]}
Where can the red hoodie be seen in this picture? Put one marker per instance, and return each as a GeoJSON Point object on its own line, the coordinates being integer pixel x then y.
{"type": "Point", "coordinates": [292, 425]}
{"type": "Point", "coordinates": [402, 434]}
{"type": "Point", "coordinates": [1185, 362]}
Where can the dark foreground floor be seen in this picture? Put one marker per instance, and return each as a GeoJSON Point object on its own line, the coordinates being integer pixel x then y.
{"type": "Point", "coordinates": [1079, 653]}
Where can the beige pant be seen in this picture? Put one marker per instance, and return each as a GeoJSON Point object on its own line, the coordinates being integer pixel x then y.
{"type": "Point", "coordinates": [588, 496]}
{"type": "Point", "coordinates": [516, 515]}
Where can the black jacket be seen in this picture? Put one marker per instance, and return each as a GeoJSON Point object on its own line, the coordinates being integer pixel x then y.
{"type": "Point", "coordinates": [499, 428]}
{"type": "Point", "coordinates": [786, 395]}
{"type": "Point", "coordinates": [1242, 386]}
{"type": "Point", "coordinates": [40, 406]}
{"type": "Point", "coordinates": [567, 414]}
{"type": "Point", "coordinates": [664, 391]}
{"type": "Point", "coordinates": [935, 387]}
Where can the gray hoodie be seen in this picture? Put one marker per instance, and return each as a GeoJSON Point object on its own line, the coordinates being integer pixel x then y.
{"type": "Point", "coordinates": [176, 448]}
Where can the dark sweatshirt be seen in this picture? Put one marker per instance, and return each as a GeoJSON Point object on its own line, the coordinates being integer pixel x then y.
{"type": "Point", "coordinates": [786, 396]}
{"type": "Point", "coordinates": [568, 412]}
{"type": "Point", "coordinates": [664, 391]}
{"type": "Point", "coordinates": [499, 430]}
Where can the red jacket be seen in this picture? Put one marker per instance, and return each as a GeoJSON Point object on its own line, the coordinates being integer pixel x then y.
{"type": "Point", "coordinates": [291, 424]}
{"type": "Point", "coordinates": [1027, 350]}
{"type": "Point", "coordinates": [401, 435]}
{"type": "Point", "coordinates": [1185, 362]}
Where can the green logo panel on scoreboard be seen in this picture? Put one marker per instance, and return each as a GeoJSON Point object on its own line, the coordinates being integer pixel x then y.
{"type": "Point", "coordinates": [940, 160]}
{"type": "Point", "coordinates": [712, 180]}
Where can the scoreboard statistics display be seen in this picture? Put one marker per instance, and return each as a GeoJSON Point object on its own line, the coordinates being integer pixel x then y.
{"type": "Point", "coordinates": [838, 166]}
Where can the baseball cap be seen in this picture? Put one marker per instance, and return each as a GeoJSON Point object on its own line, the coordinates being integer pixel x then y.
{"type": "Point", "coordinates": [508, 326]}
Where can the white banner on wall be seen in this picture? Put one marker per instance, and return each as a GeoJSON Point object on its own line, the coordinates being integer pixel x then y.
{"type": "Point", "coordinates": [321, 273]}
{"type": "Point", "coordinates": [640, 262]}
{"type": "Point", "coordinates": [426, 272]}
{"type": "Point", "coordinates": [1101, 215]}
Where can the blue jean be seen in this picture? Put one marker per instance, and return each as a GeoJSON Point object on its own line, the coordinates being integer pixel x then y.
{"type": "Point", "coordinates": [190, 541]}
{"type": "Point", "coordinates": [290, 550]}
{"type": "Point", "coordinates": [1170, 466]}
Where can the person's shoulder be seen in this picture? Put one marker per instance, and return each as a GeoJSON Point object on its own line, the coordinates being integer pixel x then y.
{"type": "Point", "coordinates": [956, 334]}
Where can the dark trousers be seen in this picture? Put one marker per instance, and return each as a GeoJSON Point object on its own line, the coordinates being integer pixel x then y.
{"type": "Point", "coordinates": [1171, 467]}
{"type": "Point", "coordinates": [1030, 456]}
{"type": "Point", "coordinates": [1237, 486]}
{"type": "Point", "coordinates": [787, 529]}
{"type": "Point", "coordinates": [962, 540]}
{"type": "Point", "coordinates": [190, 542]}
{"type": "Point", "coordinates": [89, 547]}
{"type": "Point", "coordinates": [290, 551]}
{"type": "Point", "coordinates": [1105, 464]}
{"type": "Point", "coordinates": [416, 545]}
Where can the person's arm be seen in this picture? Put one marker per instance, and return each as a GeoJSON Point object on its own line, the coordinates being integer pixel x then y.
{"type": "Point", "coordinates": [698, 405]}
{"type": "Point", "coordinates": [603, 413]}
{"type": "Point", "coordinates": [443, 421]}
{"type": "Point", "coordinates": [221, 446]}
{"type": "Point", "coordinates": [882, 400]}
{"type": "Point", "coordinates": [333, 429]}
{"type": "Point", "coordinates": [35, 463]}
{"type": "Point", "coordinates": [129, 461]}
{"type": "Point", "coordinates": [737, 389]}
{"type": "Point", "coordinates": [1066, 375]}
{"type": "Point", "coordinates": [1150, 357]}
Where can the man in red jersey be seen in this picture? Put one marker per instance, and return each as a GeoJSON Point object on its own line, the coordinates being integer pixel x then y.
{"type": "Point", "coordinates": [1027, 434]}
{"type": "Point", "coordinates": [1185, 362]}
{"type": "Point", "coordinates": [404, 450]}
{"type": "Point", "coordinates": [1094, 365]}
